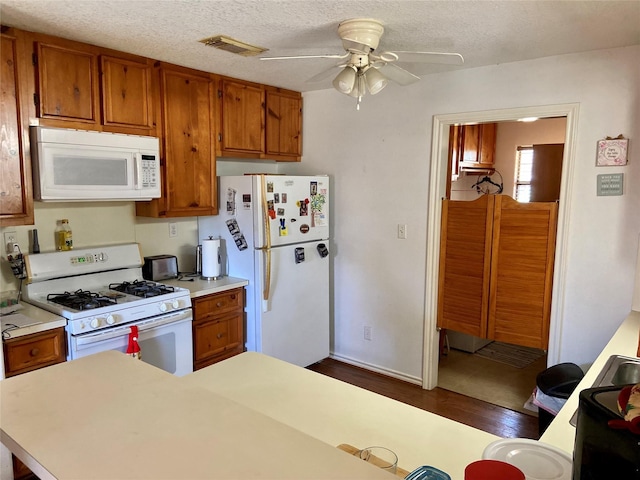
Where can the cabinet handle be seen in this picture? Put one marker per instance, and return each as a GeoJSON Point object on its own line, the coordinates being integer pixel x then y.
{"type": "Point", "coordinates": [233, 297]}
{"type": "Point", "coordinates": [219, 304]}
{"type": "Point", "coordinates": [220, 335]}
{"type": "Point", "coordinates": [34, 352]}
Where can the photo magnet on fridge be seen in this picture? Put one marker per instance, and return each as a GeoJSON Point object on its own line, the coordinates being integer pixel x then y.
{"type": "Point", "coordinates": [299, 253]}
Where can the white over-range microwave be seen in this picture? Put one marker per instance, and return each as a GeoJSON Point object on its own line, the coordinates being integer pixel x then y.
{"type": "Point", "coordinates": [79, 165]}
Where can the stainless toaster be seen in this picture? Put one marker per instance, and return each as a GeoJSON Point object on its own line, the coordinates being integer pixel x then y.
{"type": "Point", "coordinates": [160, 267]}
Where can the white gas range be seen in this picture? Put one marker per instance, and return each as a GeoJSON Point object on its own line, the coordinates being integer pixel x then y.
{"type": "Point", "coordinates": [101, 293]}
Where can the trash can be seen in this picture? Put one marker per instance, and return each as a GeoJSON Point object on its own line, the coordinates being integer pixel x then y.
{"type": "Point", "coordinates": [557, 382]}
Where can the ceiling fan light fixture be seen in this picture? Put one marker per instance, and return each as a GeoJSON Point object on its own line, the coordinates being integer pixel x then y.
{"type": "Point", "coordinates": [375, 80]}
{"type": "Point", "coordinates": [359, 88]}
{"type": "Point", "coordinates": [345, 81]}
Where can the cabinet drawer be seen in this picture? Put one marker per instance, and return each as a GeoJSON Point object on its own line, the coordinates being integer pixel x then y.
{"type": "Point", "coordinates": [30, 352]}
{"type": "Point", "coordinates": [217, 304]}
{"type": "Point", "coordinates": [218, 336]}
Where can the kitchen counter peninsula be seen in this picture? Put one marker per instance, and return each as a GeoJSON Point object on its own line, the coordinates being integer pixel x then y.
{"type": "Point", "coordinates": [337, 412]}
{"type": "Point", "coordinates": [108, 416]}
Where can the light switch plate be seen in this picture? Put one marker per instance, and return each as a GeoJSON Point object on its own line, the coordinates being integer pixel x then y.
{"type": "Point", "coordinates": [610, 184]}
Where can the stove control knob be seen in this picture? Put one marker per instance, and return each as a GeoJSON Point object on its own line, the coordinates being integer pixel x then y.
{"type": "Point", "coordinates": [175, 304]}
{"type": "Point", "coordinates": [111, 319]}
{"type": "Point", "coordinates": [95, 322]}
{"type": "Point", "coordinates": [163, 307]}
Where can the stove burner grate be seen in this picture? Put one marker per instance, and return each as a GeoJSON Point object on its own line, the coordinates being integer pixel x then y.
{"type": "Point", "coordinates": [81, 300]}
{"type": "Point", "coordinates": [142, 288]}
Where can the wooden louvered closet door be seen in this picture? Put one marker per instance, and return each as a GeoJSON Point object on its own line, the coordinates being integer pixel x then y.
{"type": "Point", "coordinates": [496, 269]}
{"type": "Point", "coordinates": [522, 258]}
{"type": "Point", "coordinates": [465, 259]}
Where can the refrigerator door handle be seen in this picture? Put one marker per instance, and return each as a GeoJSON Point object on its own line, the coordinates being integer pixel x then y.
{"type": "Point", "coordinates": [265, 213]}
{"type": "Point", "coordinates": [266, 291]}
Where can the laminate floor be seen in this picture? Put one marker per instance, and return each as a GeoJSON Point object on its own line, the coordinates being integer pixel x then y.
{"type": "Point", "coordinates": [476, 413]}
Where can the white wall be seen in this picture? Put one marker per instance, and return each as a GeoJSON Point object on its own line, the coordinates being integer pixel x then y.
{"type": "Point", "coordinates": [379, 159]}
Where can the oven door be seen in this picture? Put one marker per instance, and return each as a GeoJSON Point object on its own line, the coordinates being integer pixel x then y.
{"type": "Point", "coordinates": [165, 342]}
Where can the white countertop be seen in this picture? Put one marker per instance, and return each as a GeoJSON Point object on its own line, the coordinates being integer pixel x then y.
{"type": "Point", "coordinates": [337, 412]}
{"type": "Point", "coordinates": [560, 432]}
{"type": "Point", "coordinates": [29, 319]}
{"type": "Point", "coordinates": [108, 416]}
{"type": "Point", "coordinates": [199, 287]}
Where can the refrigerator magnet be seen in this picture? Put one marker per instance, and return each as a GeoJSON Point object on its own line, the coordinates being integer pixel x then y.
{"type": "Point", "coordinates": [323, 250]}
{"type": "Point", "coordinates": [276, 198]}
{"type": "Point", "coordinates": [269, 186]}
{"type": "Point", "coordinates": [283, 228]}
{"type": "Point", "coordinates": [304, 228]}
{"type": "Point", "coordinates": [313, 190]}
{"type": "Point", "coordinates": [299, 254]}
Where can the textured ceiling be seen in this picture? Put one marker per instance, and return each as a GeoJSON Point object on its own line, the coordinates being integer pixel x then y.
{"type": "Point", "coordinates": [485, 32]}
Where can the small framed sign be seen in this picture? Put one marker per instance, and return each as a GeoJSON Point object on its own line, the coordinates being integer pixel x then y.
{"type": "Point", "coordinates": [612, 151]}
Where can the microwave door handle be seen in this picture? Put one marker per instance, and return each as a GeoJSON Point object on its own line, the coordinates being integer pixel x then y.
{"type": "Point", "coordinates": [137, 162]}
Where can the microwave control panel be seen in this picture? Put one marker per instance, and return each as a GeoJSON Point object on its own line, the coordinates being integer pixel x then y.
{"type": "Point", "coordinates": [150, 171]}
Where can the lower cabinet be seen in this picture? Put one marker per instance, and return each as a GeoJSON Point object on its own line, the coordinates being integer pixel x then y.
{"type": "Point", "coordinates": [27, 353]}
{"type": "Point", "coordinates": [218, 327]}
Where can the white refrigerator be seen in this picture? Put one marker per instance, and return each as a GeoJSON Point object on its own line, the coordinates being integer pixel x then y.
{"type": "Point", "coordinates": [274, 232]}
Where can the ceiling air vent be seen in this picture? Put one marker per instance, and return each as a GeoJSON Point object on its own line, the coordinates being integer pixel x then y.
{"type": "Point", "coordinates": [229, 44]}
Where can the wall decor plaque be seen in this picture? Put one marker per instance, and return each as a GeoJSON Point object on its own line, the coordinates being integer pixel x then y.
{"type": "Point", "coordinates": [612, 151]}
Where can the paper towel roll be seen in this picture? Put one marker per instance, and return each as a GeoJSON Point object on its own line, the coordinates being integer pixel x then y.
{"type": "Point", "coordinates": [211, 258]}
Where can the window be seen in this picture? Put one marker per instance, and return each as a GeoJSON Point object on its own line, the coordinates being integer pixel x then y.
{"type": "Point", "coordinates": [524, 165]}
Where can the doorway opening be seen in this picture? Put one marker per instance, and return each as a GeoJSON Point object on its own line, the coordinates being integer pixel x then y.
{"type": "Point", "coordinates": [437, 191]}
{"type": "Point", "coordinates": [526, 165]}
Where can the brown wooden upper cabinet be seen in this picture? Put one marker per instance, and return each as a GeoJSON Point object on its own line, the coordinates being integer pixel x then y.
{"type": "Point", "coordinates": [284, 124]}
{"type": "Point", "coordinates": [188, 106]}
{"type": "Point", "coordinates": [472, 146]}
{"type": "Point", "coordinates": [260, 122]}
{"type": "Point", "coordinates": [496, 269]}
{"type": "Point", "coordinates": [83, 86]}
{"type": "Point", "coordinates": [16, 199]}
{"type": "Point", "coordinates": [243, 130]}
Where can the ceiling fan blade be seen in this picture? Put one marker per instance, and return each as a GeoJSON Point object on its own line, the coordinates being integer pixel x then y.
{"type": "Point", "coordinates": [294, 57]}
{"type": "Point", "coordinates": [324, 74]}
{"type": "Point", "coordinates": [430, 57]}
{"type": "Point", "coordinates": [397, 74]}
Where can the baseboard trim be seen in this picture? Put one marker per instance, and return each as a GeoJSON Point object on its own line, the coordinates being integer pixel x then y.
{"type": "Point", "coordinates": [376, 368]}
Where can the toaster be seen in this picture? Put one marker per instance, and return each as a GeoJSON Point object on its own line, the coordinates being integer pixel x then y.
{"type": "Point", "coordinates": [160, 267]}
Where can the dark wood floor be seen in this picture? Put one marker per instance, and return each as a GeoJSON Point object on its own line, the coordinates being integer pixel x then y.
{"type": "Point", "coordinates": [476, 413]}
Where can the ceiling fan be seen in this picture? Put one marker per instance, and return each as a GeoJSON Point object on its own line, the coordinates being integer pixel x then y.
{"type": "Point", "coordinates": [363, 69]}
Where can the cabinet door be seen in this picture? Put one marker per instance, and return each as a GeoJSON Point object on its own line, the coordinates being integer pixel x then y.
{"type": "Point", "coordinates": [67, 93]}
{"type": "Point", "coordinates": [16, 199]}
{"type": "Point", "coordinates": [477, 145]}
{"type": "Point", "coordinates": [217, 336]}
{"type": "Point", "coordinates": [487, 145]}
{"type": "Point", "coordinates": [465, 260]}
{"type": "Point", "coordinates": [126, 94]}
{"type": "Point", "coordinates": [24, 354]}
{"type": "Point", "coordinates": [284, 125]}
{"type": "Point", "coordinates": [522, 271]}
{"type": "Point", "coordinates": [242, 119]}
{"type": "Point", "coordinates": [188, 134]}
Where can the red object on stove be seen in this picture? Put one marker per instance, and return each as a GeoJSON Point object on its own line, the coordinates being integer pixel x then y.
{"type": "Point", "coordinates": [133, 348]}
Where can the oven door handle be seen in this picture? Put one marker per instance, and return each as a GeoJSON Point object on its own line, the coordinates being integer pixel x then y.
{"type": "Point", "coordinates": [144, 325]}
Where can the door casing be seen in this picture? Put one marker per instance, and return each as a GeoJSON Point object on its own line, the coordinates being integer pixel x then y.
{"type": "Point", "coordinates": [437, 190]}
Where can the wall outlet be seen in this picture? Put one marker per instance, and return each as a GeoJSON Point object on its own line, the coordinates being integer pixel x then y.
{"type": "Point", "coordinates": [402, 231]}
{"type": "Point", "coordinates": [173, 230]}
{"type": "Point", "coordinates": [367, 332]}
{"type": "Point", "coordinates": [11, 243]}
